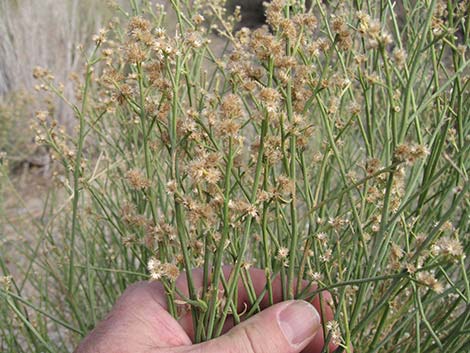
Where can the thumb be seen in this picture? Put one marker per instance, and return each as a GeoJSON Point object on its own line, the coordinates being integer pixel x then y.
{"type": "Point", "coordinates": [286, 327]}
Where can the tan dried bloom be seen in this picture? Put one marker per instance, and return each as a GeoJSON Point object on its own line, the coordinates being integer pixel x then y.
{"type": "Point", "coordinates": [198, 19]}
{"type": "Point", "coordinates": [373, 29]}
{"type": "Point", "coordinates": [397, 251]}
{"type": "Point", "coordinates": [288, 29]}
{"type": "Point", "coordinates": [427, 278]}
{"type": "Point", "coordinates": [410, 153]}
{"type": "Point", "coordinates": [6, 282]}
{"type": "Point", "coordinates": [272, 149]}
{"type": "Point", "coordinates": [100, 37]}
{"type": "Point", "coordinates": [326, 256]}
{"type": "Point", "coordinates": [354, 108]}
{"type": "Point", "coordinates": [307, 20]}
{"type": "Point", "coordinates": [204, 168]}
{"type": "Point", "coordinates": [231, 106]}
{"type": "Point", "coordinates": [420, 151]}
{"type": "Point", "coordinates": [129, 240]}
{"type": "Point", "coordinates": [139, 30]}
{"type": "Point", "coordinates": [159, 270]}
{"type": "Point", "coordinates": [171, 187]}
{"type": "Point", "coordinates": [282, 252]}
{"type": "Point", "coordinates": [410, 268]}
{"type": "Point", "coordinates": [344, 39]}
{"type": "Point", "coordinates": [274, 12]}
{"type": "Point", "coordinates": [372, 166]}
{"type": "Point", "coordinates": [264, 44]}
{"type": "Point", "coordinates": [271, 98]}
{"type": "Point", "coordinates": [135, 54]}
{"type": "Point", "coordinates": [285, 184]}
{"type": "Point", "coordinates": [172, 272]}
{"type": "Point", "coordinates": [399, 55]}
{"type": "Point", "coordinates": [194, 39]}
{"type": "Point", "coordinates": [252, 211]}
{"type": "Point", "coordinates": [461, 49]}
{"type": "Point", "coordinates": [138, 24]}
{"type": "Point", "coordinates": [155, 268]}
{"type": "Point", "coordinates": [322, 237]}
{"type": "Point", "coordinates": [315, 276]}
{"type": "Point", "coordinates": [137, 180]}
{"type": "Point", "coordinates": [333, 105]}
{"type": "Point", "coordinates": [42, 116]}
{"type": "Point", "coordinates": [228, 127]}
{"type": "Point", "coordinates": [40, 72]}
{"type": "Point", "coordinates": [449, 246]}
{"type": "Point", "coordinates": [213, 175]}
{"type": "Point", "coordinates": [339, 25]}
{"type": "Point", "coordinates": [372, 78]}
{"type": "Point", "coordinates": [333, 327]}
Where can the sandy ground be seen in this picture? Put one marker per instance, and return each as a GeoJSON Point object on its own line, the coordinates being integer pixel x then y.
{"type": "Point", "coordinates": [23, 206]}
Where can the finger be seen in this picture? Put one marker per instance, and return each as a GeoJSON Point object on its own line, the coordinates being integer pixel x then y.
{"type": "Point", "coordinates": [290, 326]}
{"type": "Point", "coordinates": [322, 302]}
{"type": "Point", "coordinates": [258, 279]}
{"type": "Point", "coordinates": [138, 321]}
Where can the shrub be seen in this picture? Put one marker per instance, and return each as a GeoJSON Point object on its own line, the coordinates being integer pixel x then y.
{"type": "Point", "coordinates": [331, 146]}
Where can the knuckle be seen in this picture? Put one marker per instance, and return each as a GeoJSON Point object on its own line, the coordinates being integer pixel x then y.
{"type": "Point", "coordinates": [137, 286]}
{"type": "Point", "coordinates": [135, 290]}
{"type": "Point", "coordinates": [251, 339]}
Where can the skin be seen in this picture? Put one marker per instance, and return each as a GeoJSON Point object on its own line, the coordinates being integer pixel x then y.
{"type": "Point", "coordinates": [140, 323]}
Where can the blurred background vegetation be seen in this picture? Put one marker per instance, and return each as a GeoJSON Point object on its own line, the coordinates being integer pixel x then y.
{"type": "Point", "coordinates": [46, 33]}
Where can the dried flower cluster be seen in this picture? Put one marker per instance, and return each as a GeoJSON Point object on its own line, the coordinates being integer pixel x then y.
{"type": "Point", "coordinates": [158, 270]}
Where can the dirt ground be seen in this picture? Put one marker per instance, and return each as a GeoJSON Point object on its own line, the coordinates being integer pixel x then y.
{"type": "Point", "coordinates": [22, 211]}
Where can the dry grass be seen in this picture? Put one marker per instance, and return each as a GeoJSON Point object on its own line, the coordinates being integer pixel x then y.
{"type": "Point", "coordinates": [39, 33]}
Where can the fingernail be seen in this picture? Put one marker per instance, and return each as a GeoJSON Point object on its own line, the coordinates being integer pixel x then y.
{"type": "Point", "coordinates": [299, 321]}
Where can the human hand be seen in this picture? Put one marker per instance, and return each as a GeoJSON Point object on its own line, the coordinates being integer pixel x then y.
{"type": "Point", "coordinates": [140, 323]}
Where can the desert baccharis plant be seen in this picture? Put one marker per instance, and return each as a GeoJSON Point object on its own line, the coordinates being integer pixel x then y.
{"type": "Point", "coordinates": [329, 148]}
